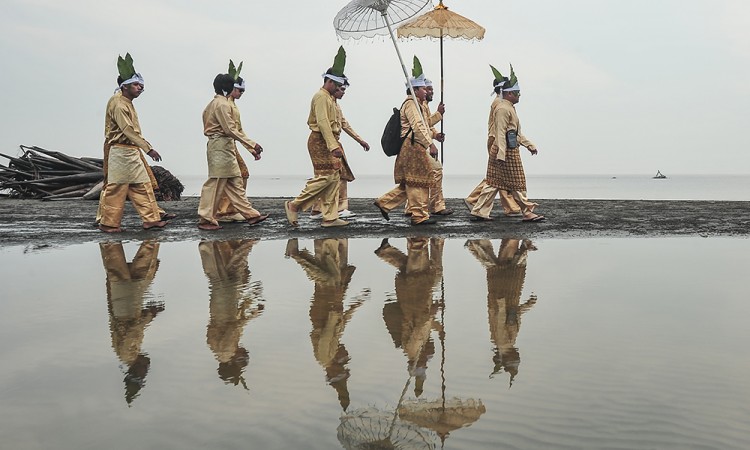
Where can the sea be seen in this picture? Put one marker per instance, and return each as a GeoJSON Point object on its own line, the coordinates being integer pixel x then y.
{"type": "Point", "coordinates": [603, 187]}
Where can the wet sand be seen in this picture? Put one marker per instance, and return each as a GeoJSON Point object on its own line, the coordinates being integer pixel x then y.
{"type": "Point", "coordinates": [67, 222]}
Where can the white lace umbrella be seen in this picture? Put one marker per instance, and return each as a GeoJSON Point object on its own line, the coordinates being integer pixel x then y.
{"type": "Point", "coordinates": [371, 18]}
{"type": "Point", "coordinates": [438, 24]}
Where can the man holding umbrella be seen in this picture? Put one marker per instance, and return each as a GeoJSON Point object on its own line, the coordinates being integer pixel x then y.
{"type": "Point", "coordinates": [413, 171]}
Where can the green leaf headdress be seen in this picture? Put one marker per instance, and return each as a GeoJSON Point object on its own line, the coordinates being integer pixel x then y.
{"type": "Point", "coordinates": [417, 74]}
{"type": "Point", "coordinates": [126, 70]}
{"type": "Point", "coordinates": [234, 72]}
{"type": "Point", "coordinates": [336, 72]}
{"type": "Point", "coordinates": [513, 83]}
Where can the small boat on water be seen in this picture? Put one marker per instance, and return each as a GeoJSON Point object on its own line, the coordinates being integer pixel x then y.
{"type": "Point", "coordinates": [659, 175]}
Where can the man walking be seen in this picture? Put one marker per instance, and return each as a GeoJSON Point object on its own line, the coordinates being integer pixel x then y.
{"type": "Point", "coordinates": [504, 168]}
{"type": "Point", "coordinates": [224, 176]}
{"type": "Point", "coordinates": [126, 174]}
{"type": "Point", "coordinates": [325, 150]}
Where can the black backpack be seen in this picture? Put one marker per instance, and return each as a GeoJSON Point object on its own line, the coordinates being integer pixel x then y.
{"type": "Point", "coordinates": [392, 140]}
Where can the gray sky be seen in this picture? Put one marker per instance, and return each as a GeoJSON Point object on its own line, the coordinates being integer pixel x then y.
{"type": "Point", "coordinates": [609, 87]}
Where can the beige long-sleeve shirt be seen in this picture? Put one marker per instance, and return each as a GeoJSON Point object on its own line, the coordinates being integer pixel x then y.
{"type": "Point", "coordinates": [219, 119]}
{"type": "Point", "coordinates": [410, 118]}
{"type": "Point", "coordinates": [121, 124]}
{"type": "Point", "coordinates": [503, 118]}
{"type": "Point", "coordinates": [345, 126]}
{"type": "Point", "coordinates": [324, 119]}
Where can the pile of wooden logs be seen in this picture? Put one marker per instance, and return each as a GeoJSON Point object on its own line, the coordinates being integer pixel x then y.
{"type": "Point", "coordinates": [50, 175]}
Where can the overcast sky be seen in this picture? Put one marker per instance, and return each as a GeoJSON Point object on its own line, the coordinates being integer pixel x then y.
{"type": "Point", "coordinates": [608, 87]}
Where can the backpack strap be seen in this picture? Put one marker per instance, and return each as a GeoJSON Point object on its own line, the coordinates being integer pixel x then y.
{"type": "Point", "coordinates": [411, 130]}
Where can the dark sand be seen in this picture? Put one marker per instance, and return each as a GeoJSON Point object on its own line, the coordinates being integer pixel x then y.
{"type": "Point", "coordinates": [66, 222]}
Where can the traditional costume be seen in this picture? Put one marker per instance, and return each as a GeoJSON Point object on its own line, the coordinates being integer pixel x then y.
{"type": "Point", "coordinates": [505, 172]}
{"type": "Point", "coordinates": [125, 169]}
{"type": "Point", "coordinates": [413, 171]}
{"type": "Point", "coordinates": [325, 130]}
{"type": "Point", "coordinates": [224, 174]}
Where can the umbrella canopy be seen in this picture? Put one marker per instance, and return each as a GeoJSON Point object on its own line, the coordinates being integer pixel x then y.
{"type": "Point", "coordinates": [442, 416]}
{"type": "Point", "coordinates": [437, 24]}
{"type": "Point", "coordinates": [371, 428]}
{"type": "Point", "coordinates": [370, 18]}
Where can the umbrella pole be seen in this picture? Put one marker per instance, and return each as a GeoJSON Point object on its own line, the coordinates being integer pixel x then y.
{"type": "Point", "coordinates": [403, 67]}
{"type": "Point", "coordinates": [442, 86]}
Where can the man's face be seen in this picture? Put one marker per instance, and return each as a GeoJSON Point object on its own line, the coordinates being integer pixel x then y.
{"type": "Point", "coordinates": [420, 93]}
{"type": "Point", "coordinates": [331, 86]}
{"type": "Point", "coordinates": [340, 91]}
{"type": "Point", "coordinates": [237, 93]}
{"type": "Point", "coordinates": [133, 90]}
{"type": "Point", "coordinates": [513, 96]}
{"type": "Point", "coordinates": [429, 93]}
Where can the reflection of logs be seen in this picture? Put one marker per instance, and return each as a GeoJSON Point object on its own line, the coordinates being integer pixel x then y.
{"type": "Point", "coordinates": [48, 175]}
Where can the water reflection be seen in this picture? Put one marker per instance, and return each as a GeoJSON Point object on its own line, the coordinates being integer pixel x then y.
{"type": "Point", "coordinates": [233, 302]}
{"type": "Point", "coordinates": [410, 319]}
{"type": "Point", "coordinates": [129, 315]}
{"type": "Point", "coordinates": [506, 273]}
{"type": "Point", "coordinates": [328, 267]}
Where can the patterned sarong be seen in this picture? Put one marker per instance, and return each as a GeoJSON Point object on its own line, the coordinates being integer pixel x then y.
{"type": "Point", "coordinates": [323, 161]}
{"type": "Point", "coordinates": [507, 175]}
{"type": "Point", "coordinates": [413, 166]}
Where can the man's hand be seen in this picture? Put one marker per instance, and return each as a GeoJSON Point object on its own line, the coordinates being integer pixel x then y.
{"type": "Point", "coordinates": [337, 152]}
{"type": "Point", "coordinates": [365, 145]}
{"type": "Point", "coordinates": [533, 151]}
{"type": "Point", "coordinates": [153, 154]}
{"type": "Point", "coordinates": [256, 154]}
{"type": "Point", "coordinates": [440, 137]}
{"type": "Point", "coordinates": [441, 108]}
{"type": "Point", "coordinates": [433, 150]}
{"type": "Point", "coordinates": [258, 149]}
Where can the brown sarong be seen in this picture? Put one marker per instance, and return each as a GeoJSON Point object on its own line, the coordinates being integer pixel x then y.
{"type": "Point", "coordinates": [323, 161]}
{"type": "Point", "coordinates": [413, 166]}
{"type": "Point", "coordinates": [507, 175]}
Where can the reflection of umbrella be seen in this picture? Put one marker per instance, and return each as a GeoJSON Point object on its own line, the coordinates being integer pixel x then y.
{"type": "Point", "coordinates": [370, 18]}
{"type": "Point", "coordinates": [437, 24]}
{"type": "Point", "coordinates": [442, 416]}
{"type": "Point", "coordinates": [370, 428]}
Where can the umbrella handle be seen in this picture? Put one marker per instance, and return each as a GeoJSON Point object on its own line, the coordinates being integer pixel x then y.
{"type": "Point", "coordinates": [403, 68]}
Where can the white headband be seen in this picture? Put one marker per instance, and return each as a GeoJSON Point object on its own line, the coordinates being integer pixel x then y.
{"type": "Point", "coordinates": [419, 81]}
{"type": "Point", "coordinates": [337, 79]}
{"type": "Point", "coordinates": [427, 82]}
{"type": "Point", "coordinates": [137, 78]}
{"type": "Point", "coordinates": [240, 86]}
{"type": "Point", "coordinates": [512, 88]}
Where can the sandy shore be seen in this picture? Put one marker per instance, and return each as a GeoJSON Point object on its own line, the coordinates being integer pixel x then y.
{"type": "Point", "coordinates": [69, 222]}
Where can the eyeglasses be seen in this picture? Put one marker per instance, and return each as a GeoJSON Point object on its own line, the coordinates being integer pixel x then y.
{"type": "Point", "coordinates": [342, 88]}
{"type": "Point", "coordinates": [241, 90]}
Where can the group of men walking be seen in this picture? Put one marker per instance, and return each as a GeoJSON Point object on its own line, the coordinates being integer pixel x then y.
{"type": "Point", "coordinates": [417, 172]}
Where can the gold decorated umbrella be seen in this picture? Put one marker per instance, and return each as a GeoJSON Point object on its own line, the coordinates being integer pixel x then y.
{"type": "Point", "coordinates": [437, 24]}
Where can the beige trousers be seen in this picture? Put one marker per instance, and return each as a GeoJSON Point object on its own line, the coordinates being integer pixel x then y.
{"type": "Point", "coordinates": [342, 201]}
{"type": "Point", "coordinates": [483, 205]}
{"type": "Point", "coordinates": [417, 198]}
{"type": "Point", "coordinates": [323, 188]}
{"type": "Point", "coordinates": [226, 210]}
{"type": "Point", "coordinates": [506, 199]}
{"type": "Point", "coordinates": [112, 203]}
{"type": "Point", "coordinates": [211, 195]}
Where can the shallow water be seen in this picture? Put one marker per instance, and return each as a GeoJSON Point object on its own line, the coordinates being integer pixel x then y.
{"type": "Point", "coordinates": [595, 343]}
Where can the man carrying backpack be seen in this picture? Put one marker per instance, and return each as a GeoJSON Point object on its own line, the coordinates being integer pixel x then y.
{"type": "Point", "coordinates": [413, 171]}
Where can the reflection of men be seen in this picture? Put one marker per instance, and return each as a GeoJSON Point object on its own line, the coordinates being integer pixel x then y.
{"type": "Point", "coordinates": [411, 318]}
{"type": "Point", "coordinates": [127, 284]}
{"type": "Point", "coordinates": [329, 269]}
{"type": "Point", "coordinates": [232, 303]}
{"type": "Point", "coordinates": [505, 276]}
